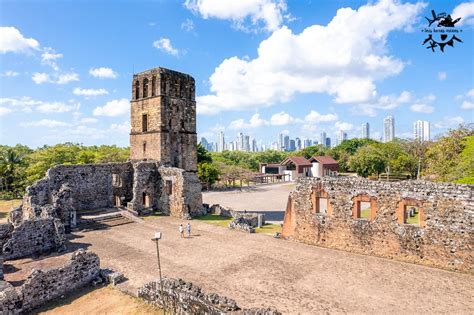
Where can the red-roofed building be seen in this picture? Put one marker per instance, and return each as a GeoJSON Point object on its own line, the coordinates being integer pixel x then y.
{"type": "Point", "coordinates": [323, 166]}
{"type": "Point", "coordinates": [297, 166]}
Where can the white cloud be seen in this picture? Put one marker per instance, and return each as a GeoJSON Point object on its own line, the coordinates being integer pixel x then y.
{"type": "Point", "coordinates": [187, 25]}
{"type": "Point", "coordinates": [266, 12]}
{"type": "Point", "coordinates": [384, 102]}
{"type": "Point", "coordinates": [4, 111]}
{"type": "Point", "coordinates": [465, 11]}
{"type": "Point", "coordinates": [89, 92]}
{"type": "Point", "coordinates": [442, 76]}
{"type": "Point", "coordinates": [10, 73]}
{"type": "Point", "coordinates": [113, 108]}
{"type": "Point", "coordinates": [344, 59]}
{"type": "Point", "coordinates": [11, 40]}
{"type": "Point", "coordinates": [27, 104]}
{"type": "Point", "coordinates": [422, 108]}
{"type": "Point", "coordinates": [103, 73]}
{"type": "Point", "coordinates": [316, 117]}
{"type": "Point", "coordinates": [282, 119]}
{"type": "Point", "coordinates": [254, 122]}
{"type": "Point", "coordinates": [164, 44]}
{"type": "Point", "coordinates": [63, 78]}
{"type": "Point", "coordinates": [88, 120]}
{"type": "Point", "coordinates": [123, 128]}
{"type": "Point", "coordinates": [467, 105]}
{"type": "Point", "coordinates": [48, 57]}
{"type": "Point", "coordinates": [48, 123]}
{"type": "Point", "coordinates": [449, 122]}
{"type": "Point", "coordinates": [344, 126]}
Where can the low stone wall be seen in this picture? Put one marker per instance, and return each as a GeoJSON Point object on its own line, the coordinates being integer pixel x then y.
{"type": "Point", "coordinates": [182, 297]}
{"type": "Point", "coordinates": [326, 212]}
{"type": "Point", "coordinates": [43, 286]}
{"type": "Point", "coordinates": [243, 221]}
{"type": "Point", "coordinates": [34, 237]}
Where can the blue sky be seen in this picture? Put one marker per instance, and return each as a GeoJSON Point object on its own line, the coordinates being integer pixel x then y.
{"type": "Point", "coordinates": [261, 66]}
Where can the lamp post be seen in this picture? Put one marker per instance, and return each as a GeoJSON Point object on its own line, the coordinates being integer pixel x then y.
{"type": "Point", "coordinates": [156, 239]}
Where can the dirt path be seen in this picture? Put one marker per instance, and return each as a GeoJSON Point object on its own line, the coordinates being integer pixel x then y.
{"type": "Point", "coordinates": [258, 271]}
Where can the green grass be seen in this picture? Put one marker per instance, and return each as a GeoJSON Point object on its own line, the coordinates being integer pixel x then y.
{"type": "Point", "coordinates": [414, 219]}
{"type": "Point", "coordinates": [365, 213]}
{"type": "Point", "coordinates": [269, 229]}
{"type": "Point", "coordinates": [215, 219]}
{"type": "Point", "coordinates": [5, 208]}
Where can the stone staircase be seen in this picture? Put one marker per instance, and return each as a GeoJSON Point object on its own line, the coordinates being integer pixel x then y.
{"type": "Point", "coordinates": [105, 218]}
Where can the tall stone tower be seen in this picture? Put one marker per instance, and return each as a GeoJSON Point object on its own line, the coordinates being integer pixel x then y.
{"type": "Point", "coordinates": [163, 118]}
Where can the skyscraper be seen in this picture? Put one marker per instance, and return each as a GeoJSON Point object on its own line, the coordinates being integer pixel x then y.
{"type": "Point", "coordinates": [388, 129]}
{"type": "Point", "coordinates": [421, 130]}
{"type": "Point", "coordinates": [341, 136]}
{"type": "Point", "coordinates": [246, 143]}
{"type": "Point", "coordinates": [298, 143]}
{"type": "Point", "coordinates": [280, 143]}
{"type": "Point", "coordinates": [307, 143]}
{"type": "Point", "coordinates": [322, 139]}
{"type": "Point", "coordinates": [221, 142]}
{"type": "Point", "coordinates": [240, 142]}
{"type": "Point", "coordinates": [292, 145]}
{"type": "Point", "coordinates": [365, 131]}
{"type": "Point", "coordinates": [328, 142]}
{"type": "Point", "coordinates": [286, 143]}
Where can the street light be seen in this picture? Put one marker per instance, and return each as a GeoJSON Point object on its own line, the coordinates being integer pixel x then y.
{"type": "Point", "coordinates": [156, 239]}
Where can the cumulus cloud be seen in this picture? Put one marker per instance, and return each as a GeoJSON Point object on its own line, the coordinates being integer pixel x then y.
{"type": "Point", "coordinates": [48, 123]}
{"type": "Point", "coordinates": [422, 108]}
{"type": "Point", "coordinates": [48, 57]}
{"type": "Point", "coordinates": [282, 119]}
{"type": "Point", "coordinates": [9, 73]}
{"type": "Point", "coordinates": [113, 108]}
{"type": "Point", "coordinates": [4, 111]}
{"type": "Point", "coordinates": [103, 73]}
{"type": "Point", "coordinates": [449, 122]}
{"type": "Point", "coordinates": [466, 12]}
{"type": "Point", "coordinates": [55, 78]}
{"type": "Point", "coordinates": [316, 117]}
{"type": "Point", "coordinates": [270, 13]}
{"type": "Point", "coordinates": [344, 126]}
{"type": "Point", "coordinates": [344, 59]}
{"type": "Point", "coordinates": [384, 102]}
{"type": "Point", "coordinates": [11, 40]}
{"type": "Point", "coordinates": [164, 44]}
{"type": "Point", "coordinates": [187, 25]}
{"type": "Point", "coordinates": [89, 120]}
{"type": "Point", "coordinates": [27, 104]}
{"type": "Point", "coordinates": [467, 100]}
{"type": "Point", "coordinates": [89, 92]}
{"type": "Point", "coordinates": [442, 76]}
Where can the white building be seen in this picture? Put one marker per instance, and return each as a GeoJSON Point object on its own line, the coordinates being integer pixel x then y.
{"type": "Point", "coordinates": [221, 142]}
{"type": "Point", "coordinates": [341, 136]}
{"type": "Point", "coordinates": [365, 131]}
{"type": "Point", "coordinates": [322, 139]}
{"type": "Point", "coordinates": [388, 129]}
{"type": "Point", "coordinates": [421, 130]}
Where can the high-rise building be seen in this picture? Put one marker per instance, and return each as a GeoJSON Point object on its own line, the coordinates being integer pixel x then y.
{"type": "Point", "coordinates": [365, 131]}
{"type": "Point", "coordinates": [220, 142]}
{"type": "Point", "coordinates": [292, 146]}
{"type": "Point", "coordinates": [307, 143]}
{"type": "Point", "coordinates": [388, 129]}
{"type": "Point", "coordinates": [341, 136]}
{"type": "Point", "coordinates": [298, 144]}
{"type": "Point", "coordinates": [328, 142]}
{"type": "Point", "coordinates": [286, 143]}
{"type": "Point", "coordinates": [421, 130]}
{"type": "Point", "coordinates": [205, 144]}
{"type": "Point", "coordinates": [322, 139]}
{"type": "Point", "coordinates": [280, 143]}
{"type": "Point", "coordinates": [253, 145]}
{"type": "Point", "coordinates": [246, 143]}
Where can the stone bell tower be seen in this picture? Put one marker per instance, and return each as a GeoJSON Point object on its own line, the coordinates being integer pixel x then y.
{"type": "Point", "coordinates": [163, 118]}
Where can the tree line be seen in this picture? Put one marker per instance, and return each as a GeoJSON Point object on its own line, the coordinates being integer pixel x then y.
{"type": "Point", "coordinates": [449, 158]}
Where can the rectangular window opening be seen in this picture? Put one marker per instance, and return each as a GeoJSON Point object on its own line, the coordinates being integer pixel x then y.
{"type": "Point", "coordinates": [169, 187]}
{"type": "Point", "coordinates": [412, 215]}
{"type": "Point", "coordinates": [144, 122]}
{"type": "Point", "coordinates": [323, 205]}
{"type": "Point", "coordinates": [364, 209]}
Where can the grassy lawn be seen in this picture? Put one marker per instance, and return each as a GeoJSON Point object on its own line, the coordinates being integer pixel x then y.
{"type": "Point", "coordinates": [215, 219]}
{"type": "Point", "coordinates": [365, 213]}
{"type": "Point", "coordinates": [5, 208]}
{"type": "Point", "coordinates": [269, 229]}
{"type": "Point", "coordinates": [415, 219]}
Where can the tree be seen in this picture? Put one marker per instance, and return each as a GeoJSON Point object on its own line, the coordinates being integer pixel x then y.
{"type": "Point", "coordinates": [208, 173]}
{"type": "Point", "coordinates": [346, 149]}
{"type": "Point", "coordinates": [368, 160]}
{"type": "Point", "coordinates": [203, 155]}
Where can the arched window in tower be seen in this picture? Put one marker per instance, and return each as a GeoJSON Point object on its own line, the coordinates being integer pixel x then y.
{"type": "Point", "coordinates": [153, 86]}
{"type": "Point", "coordinates": [137, 90]}
{"type": "Point", "coordinates": [144, 122]}
{"type": "Point", "coordinates": [145, 87]}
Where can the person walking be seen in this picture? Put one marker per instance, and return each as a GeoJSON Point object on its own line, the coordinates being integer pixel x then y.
{"type": "Point", "coordinates": [181, 231]}
{"type": "Point", "coordinates": [188, 229]}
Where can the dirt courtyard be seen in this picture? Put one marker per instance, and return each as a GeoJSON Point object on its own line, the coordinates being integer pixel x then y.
{"type": "Point", "coordinates": [268, 199]}
{"type": "Point", "coordinates": [260, 271]}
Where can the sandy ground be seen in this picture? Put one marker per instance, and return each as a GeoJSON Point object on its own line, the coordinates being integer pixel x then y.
{"type": "Point", "coordinates": [260, 271]}
{"type": "Point", "coordinates": [269, 199]}
{"type": "Point", "coordinates": [5, 207]}
{"type": "Point", "coordinates": [99, 301]}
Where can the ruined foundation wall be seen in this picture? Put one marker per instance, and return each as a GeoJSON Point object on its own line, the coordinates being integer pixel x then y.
{"type": "Point", "coordinates": [182, 297]}
{"type": "Point", "coordinates": [43, 286]}
{"type": "Point", "coordinates": [444, 237]}
{"type": "Point", "coordinates": [34, 237]}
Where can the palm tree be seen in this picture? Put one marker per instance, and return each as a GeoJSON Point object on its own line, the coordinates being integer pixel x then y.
{"type": "Point", "coordinates": [9, 161]}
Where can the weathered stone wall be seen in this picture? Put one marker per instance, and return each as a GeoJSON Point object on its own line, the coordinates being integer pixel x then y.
{"type": "Point", "coordinates": [42, 286]}
{"type": "Point", "coordinates": [34, 237]}
{"type": "Point", "coordinates": [443, 238]}
{"type": "Point", "coordinates": [182, 297]}
{"type": "Point", "coordinates": [167, 99]}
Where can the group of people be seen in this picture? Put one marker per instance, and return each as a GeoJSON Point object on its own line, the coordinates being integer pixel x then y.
{"type": "Point", "coordinates": [188, 230]}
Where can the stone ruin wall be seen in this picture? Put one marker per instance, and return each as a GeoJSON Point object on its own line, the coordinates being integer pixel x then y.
{"type": "Point", "coordinates": [444, 237]}
{"type": "Point", "coordinates": [45, 285]}
{"type": "Point", "coordinates": [183, 298]}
